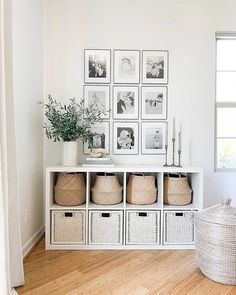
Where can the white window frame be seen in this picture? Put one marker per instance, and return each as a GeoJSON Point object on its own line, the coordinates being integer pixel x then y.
{"type": "Point", "coordinates": [221, 36]}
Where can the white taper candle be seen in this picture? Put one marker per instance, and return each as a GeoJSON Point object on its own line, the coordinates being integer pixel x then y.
{"type": "Point", "coordinates": [166, 139]}
{"type": "Point", "coordinates": [179, 141]}
{"type": "Point", "coordinates": [173, 135]}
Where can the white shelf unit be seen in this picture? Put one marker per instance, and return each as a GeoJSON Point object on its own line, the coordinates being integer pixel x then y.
{"type": "Point", "coordinates": [195, 176]}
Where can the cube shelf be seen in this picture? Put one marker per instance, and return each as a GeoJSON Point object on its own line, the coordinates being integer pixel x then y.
{"type": "Point", "coordinates": [123, 225]}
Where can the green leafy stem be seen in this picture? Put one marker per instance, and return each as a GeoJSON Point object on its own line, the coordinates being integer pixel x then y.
{"type": "Point", "coordinates": [70, 122]}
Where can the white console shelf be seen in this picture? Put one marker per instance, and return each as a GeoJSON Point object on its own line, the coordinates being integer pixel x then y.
{"type": "Point", "coordinates": [159, 217]}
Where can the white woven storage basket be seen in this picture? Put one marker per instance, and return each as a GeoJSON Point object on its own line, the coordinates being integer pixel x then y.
{"type": "Point", "coordinates": [141, 189]}
{"type": "Point", "coordinates": [68, 227]}
{"type": "Point", "coordinates": [105, 227]}
{"type": "Point", "coordinates": [179, 227]}
{"type": "Point", "coordinates": [106, 189]}
{"type": "Point", "coordinates": [215, 229]}
{"type": "Point", "coordinates": [177, 191]}
{"type": "Point", "coordinates": [142, 227]}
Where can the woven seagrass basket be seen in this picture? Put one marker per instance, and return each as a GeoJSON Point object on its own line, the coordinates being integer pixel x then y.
{"type": "Point", "coordinates": [141, 189]}
{"type": "Point", "coordinates": [106, 189]}
{"type": "Point", "coordinates": [215, 230]}
{"type": "Point", "coordinates": [177, 191]}
{"type": "Point", "coordinates": [69, 189]}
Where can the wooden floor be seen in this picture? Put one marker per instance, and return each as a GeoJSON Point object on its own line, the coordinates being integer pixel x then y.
{"type": "Point", "coordinates": [116, 272]}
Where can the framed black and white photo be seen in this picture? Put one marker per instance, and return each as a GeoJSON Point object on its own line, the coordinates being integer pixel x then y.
{"type": "Point", "coordinates": [125, 136]}
{"type": "Point", "coordinates": [101, 137]}
{"type": "Point", "coordinates": [126, 66]}
{"type": "Point", "coordinates": [97, 66]}
{"type": "Point", "coordinates": [98, 96]}
{"type": "Point", "coordinates": [153, 137]}
{"type": "Point", "coordinates": [125, 102]}
{"type": "Point", "coordinates": [155, 66]}
{"type": "Point", "coordinates": [154, 102]}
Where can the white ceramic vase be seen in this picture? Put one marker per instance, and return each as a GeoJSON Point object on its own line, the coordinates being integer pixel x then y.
{"type": "Point", "coordinates": [70, 153]}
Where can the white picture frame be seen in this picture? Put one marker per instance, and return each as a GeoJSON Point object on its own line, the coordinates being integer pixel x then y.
{"type": "Point", "coordinates": [154, 138]}
{"type": "Point", "coordinates": [126, 66]}
{"type": "Point", "coordinates": [125, 138]}
{"type": "Point", "coordinates": [125, 102]}
{"type": "Point", "coordinates": [154, 102]}
{"type": "Point", "coordinates": [155, 64]}
{"type": "Point", "coordinates": [101, 137]}
{"type": "Point", "coordinates": [97, 66]}
{"type": "Point", "coordinates": [99, 97]}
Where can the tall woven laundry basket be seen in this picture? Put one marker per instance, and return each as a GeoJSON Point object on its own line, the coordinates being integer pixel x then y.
{"type": "Point", "coordinates": [70, 189]}
{"type": "Point", "coordinates": [215, 230]}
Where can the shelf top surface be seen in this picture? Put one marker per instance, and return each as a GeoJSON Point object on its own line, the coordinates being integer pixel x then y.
{"type": "Point", "coordinates": [125, 168]}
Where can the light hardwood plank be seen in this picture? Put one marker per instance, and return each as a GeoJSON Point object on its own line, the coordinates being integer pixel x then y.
{"type": "Point", "coordinates": [161, 272]}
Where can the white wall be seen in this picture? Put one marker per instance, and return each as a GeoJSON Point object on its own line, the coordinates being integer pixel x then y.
{"type": "Point", "coordinates": [28, 87]}
{"type": "Point", "coordinates": [186, 28]}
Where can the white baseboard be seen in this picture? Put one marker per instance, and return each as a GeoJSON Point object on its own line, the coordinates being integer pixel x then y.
{"type": "Point", "coordinates": [31, 242]}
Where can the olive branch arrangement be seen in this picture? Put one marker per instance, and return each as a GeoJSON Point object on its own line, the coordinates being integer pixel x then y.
{"type": "Point", "coordinates": [69, 122]}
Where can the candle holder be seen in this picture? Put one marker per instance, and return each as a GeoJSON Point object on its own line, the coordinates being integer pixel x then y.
{"type": "Point", "coordinates": [173, 156]}
{"type": "Point", "coordinates": [179, 154]}
{"type": "Point", "coordinates": [166, 164]}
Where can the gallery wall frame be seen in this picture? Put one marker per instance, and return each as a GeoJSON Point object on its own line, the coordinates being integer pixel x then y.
{"type": "Point", "coordinates": [126, 66]}
{"type": "Point", "coordinates": [97, 66]}
{"type": "Point", "coordinates": [155, 66]}
{"type": "Point", "coordinates": [154, 102]}
{"type": "Point", "coordinates": [125, 138]}
{"type": "Point", "coordinates": [125, 102]}
{"type": "Point", "coordinates": [153, 137]}
{"type": "Point", "coordinates": [102, 133]}
{"type": "Point", "coordinates": [99, 97]}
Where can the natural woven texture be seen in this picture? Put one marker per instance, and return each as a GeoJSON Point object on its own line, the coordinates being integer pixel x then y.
{"type": "Point", "coordinates": [177, 190]}
{"type": "Point", "coordinates": [105, 227]}
{"type": "Point", "coordinates": [141, 189]}
{"type": "Point", "coordinates": [143, 227]}
{"type": "Point", "coordinates": [70, 189]}
{"type": "Point", "coordinates": [68, 227]}
{"type": "Point", "coordinates": [179, 227]}
{"type": "Point", "coordinates": [216, 243]}
{"type": "Point", "coordinates": [106, 190]}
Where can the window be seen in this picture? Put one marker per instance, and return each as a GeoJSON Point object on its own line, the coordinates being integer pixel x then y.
{"type": "Point", "coordinates": [225, 101]}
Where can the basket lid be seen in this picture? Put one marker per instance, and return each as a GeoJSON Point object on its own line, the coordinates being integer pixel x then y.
{"type": "Point", "coordinates": [223, 213]}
